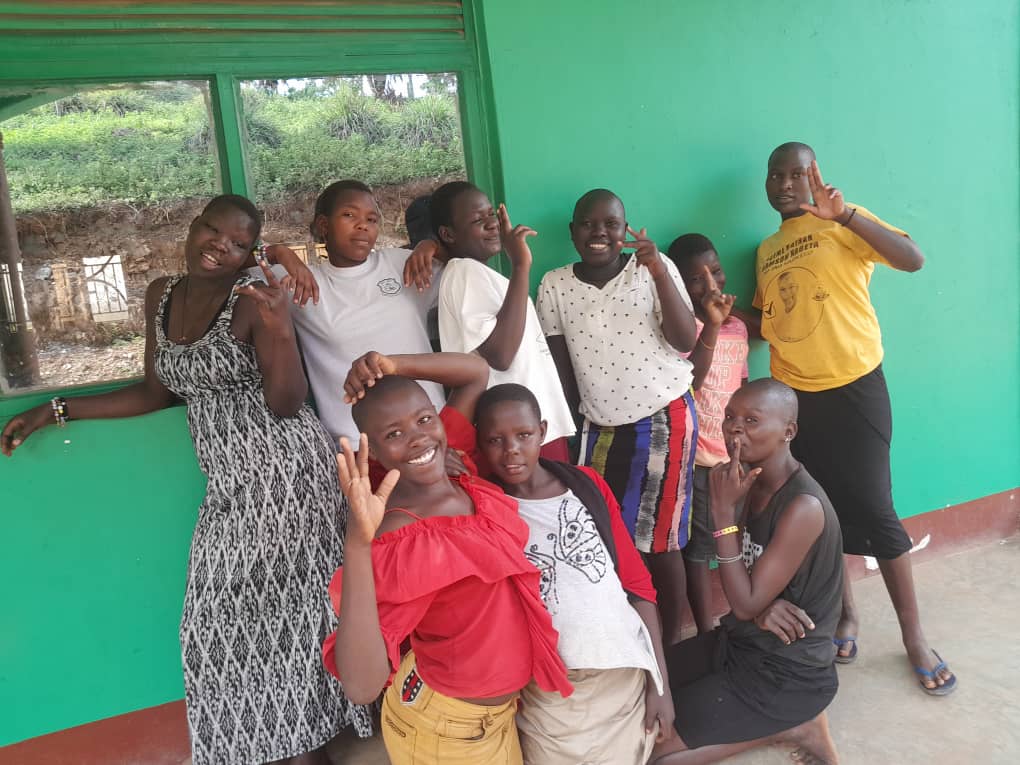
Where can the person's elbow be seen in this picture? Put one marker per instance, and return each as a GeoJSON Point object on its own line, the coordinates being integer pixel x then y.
{"type": "Point", "coordinates": [743, 613]}
{"type": "Point", "coordinates": [499, 361]}
{"type": "Point", "coordinates": [912, 259]}
{"type": "Point", "coordinates": [358, 693]}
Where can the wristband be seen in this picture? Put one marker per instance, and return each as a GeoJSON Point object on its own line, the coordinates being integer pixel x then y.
{"type": "Point", "coordinates": [724, 532]}
{"type": "Point", "coordinates": [59, 405]}
{"type": "Point", "coordinates": [259, 251]}
{"type": "Point", "coordinates": [853, 212]}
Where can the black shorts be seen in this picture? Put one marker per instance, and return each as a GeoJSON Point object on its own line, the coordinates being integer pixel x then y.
{"type": "Point", "coordinates": [701, 545]}
{"type": "Point", "coordinates": [843, 440]}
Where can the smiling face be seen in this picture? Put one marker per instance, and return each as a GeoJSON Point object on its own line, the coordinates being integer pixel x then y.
{"type": "Point", "coordinates": [762, 418]}
{"type": "Point", "coordinates": [598, 228]}
{"type": "Point", "coordinates": [404, 431]}
{"type": "Point", "coordinates": [474, 229]}
{"type": "Point", "coordinates": [510, 436]}
{"type": "Point", "coordinates": [219, 242]}
{"type": "Point", "coordinates": [350, 229]}
{"type": "Point", "coordinates": [786, 184]}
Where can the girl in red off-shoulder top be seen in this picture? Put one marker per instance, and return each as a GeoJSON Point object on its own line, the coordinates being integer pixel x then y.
{"type": "Point", "coordinates": [440, 561]}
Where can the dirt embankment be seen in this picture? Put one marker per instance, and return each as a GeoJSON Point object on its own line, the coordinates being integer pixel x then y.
{"type": "Point", "coordinates": [76, 344]}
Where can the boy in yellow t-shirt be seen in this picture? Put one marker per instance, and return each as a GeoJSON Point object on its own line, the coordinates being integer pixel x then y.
{"type": "Point", "coordinates": [825, 343]}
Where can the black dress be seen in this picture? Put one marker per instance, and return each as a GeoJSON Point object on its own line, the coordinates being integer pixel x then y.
{"type": "Point", "coordinates": [738, 682]}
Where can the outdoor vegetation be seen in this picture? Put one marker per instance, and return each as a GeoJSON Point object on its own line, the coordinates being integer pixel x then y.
{"type": "Point", "coordinates": [152, 143]}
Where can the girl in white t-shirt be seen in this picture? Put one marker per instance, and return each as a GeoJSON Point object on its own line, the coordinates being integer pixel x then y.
{"type": "Point", "coordinates": [482, 311]}
{"type": "Point", "coordinates": [362, 303]}
{"type": "Point", "coordinates": [616, 324]}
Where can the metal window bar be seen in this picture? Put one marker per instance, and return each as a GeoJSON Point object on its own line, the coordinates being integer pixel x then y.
{"type": "Point", "coordinates": [7, 311]}
{"type": "Point", "coordinates": [104, 281]}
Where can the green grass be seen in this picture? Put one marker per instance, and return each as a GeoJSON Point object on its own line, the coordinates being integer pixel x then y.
{"type": "Point", "coordinates": [152, 145]}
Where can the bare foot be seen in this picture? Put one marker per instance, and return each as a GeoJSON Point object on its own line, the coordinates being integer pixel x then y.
{"type": "Point", "coordinates": [813, 743]}
{"type": "Point", "coordinates": [922, 657]}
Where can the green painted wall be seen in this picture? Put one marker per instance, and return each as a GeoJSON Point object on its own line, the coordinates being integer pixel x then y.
{"type": "Point", "coordinates": [912, 106]}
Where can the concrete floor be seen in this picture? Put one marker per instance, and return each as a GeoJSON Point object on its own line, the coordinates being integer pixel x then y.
{"type": "Point", "coordinates": [880, 716]}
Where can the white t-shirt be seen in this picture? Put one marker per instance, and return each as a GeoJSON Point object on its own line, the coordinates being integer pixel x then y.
{"type": "Point", "coordinates": [599, 628]}
{"type": "Point", "coordinates": [470, 296]}
{"type": "Point", "coordinates": [362, 308]}
{"type": "Point", "coordinates": [625, 368]}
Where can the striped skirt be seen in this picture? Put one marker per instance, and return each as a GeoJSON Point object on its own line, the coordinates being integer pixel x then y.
{"type": "Point", "coordinates": [648, 465]}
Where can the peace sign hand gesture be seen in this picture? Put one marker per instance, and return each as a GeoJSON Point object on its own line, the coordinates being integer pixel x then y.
{"type": "Point", "coordinates": [828, 200]}
{"type": "Point", "coordinates": [646, 252]}
{"type": "Point", "coordinates": [365, 509]}
{"type": "Point", "coordinates": [271, 301]}
{"type": "Point", "coordinates": [715, 304]}
{"type": "Point", "coordinates": [515, 239]}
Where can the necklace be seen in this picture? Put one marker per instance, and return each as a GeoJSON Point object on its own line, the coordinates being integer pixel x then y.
{"type": "Point", "coordinates": [181, 336]}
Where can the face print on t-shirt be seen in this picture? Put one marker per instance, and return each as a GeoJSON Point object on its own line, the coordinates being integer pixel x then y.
{"type": "Point", "coordinates": [794, 302]}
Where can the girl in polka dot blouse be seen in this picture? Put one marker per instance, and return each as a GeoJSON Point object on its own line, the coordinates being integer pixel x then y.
{"type": "Point", "coordinates": [616, 323]}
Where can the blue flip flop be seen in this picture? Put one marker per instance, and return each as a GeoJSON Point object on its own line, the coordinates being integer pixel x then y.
{"type": "Point", "coordinates": [839, 643]}
{"type": "Point", "coordinates": [939, 690]}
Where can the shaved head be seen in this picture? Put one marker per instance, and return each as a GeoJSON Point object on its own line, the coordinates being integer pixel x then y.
{"type": "Point", "coordinates": [384, 398]}
{"type": "Point", "coordinates": [591, 197]}
{"type": "Point", "coordinates": [792, 147]}
{"type": "Point", "coordinates": [772, 395]}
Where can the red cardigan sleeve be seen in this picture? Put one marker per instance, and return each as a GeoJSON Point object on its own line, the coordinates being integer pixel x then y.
{"type": "Point", "coordinates": [633, 574]}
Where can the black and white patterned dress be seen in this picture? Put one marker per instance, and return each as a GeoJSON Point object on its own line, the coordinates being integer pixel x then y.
{"type": "Point", "coordinates": [268, 538]}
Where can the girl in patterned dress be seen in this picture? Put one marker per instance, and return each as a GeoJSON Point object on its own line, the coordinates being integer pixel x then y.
{"type": "Point", "coordinates": [270, 530]}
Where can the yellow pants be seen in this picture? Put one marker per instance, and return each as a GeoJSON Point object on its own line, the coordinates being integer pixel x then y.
{"type": "Point", "coordinates": [423, 727]}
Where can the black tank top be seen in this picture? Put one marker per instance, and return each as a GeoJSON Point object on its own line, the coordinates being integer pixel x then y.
{"type": "Point", "coordinates": [816, 586]}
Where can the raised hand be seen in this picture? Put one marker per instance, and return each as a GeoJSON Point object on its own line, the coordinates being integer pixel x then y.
{"type": "Point", "coordinates": [299, 280]}
{"type": "Point", "coordinates": [418, 266]}
{"type": "Point", "coordinates": [646, 251]}
{"type": "Point", "coordinates": [21, 426]}
{"type": "Point", "coordinates": [271, 301]}
{"type": "Point", "coordinates": [728, 483]}
{"type": "Point", "coordinates": [364, 372]}
{"type": "Point", "coordinates": [715, 304]}
{"type": "Point", "coordinates": [515, 239]}
{"type": "Point", "coordinates": [828, 200]}
{"type": "Point", "coordinates": [365, 509]}
{"type": "Point", "coordinates": [784, 620]}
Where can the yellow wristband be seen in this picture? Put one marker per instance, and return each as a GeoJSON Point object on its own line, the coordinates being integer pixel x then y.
{"type": "Point", "coordinates": [724, 532]}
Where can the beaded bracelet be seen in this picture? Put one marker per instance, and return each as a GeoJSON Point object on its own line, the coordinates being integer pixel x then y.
{"type": "Point", "coordinates": [59, 405]}
{"type": "Point", "coordinates": [732, 559]}
{"type": "Point", "coordinates": [259, 251]}
{"type": "Point", "coordinates": [724, 532]}
{"type": "Point", "coordinates": [853, 212]}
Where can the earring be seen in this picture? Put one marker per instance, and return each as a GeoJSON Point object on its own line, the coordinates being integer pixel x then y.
{"type": "Point", "coordinates": [788, 438]}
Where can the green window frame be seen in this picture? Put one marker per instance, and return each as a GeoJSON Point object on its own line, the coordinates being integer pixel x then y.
{"type": "Point", "coordinates": [49, 49]}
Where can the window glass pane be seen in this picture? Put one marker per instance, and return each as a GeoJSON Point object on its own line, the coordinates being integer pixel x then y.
{"type": "Point", "coordinates": [103, 183]}
{"type": "Point", "coordinates": [398, 133]}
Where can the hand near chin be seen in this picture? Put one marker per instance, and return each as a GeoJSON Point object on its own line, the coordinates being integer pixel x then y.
{"type": "Point", "coordinates": [514, 239]}
{"type": "Point", "coordinates": [365, 508]}
{"type": "Point", "coordinates": [646, 251]}
{"type": "Point", "coordinates": [728, 483]}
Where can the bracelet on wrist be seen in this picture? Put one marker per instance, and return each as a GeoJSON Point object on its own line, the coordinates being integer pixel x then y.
{"type": "Point", "coordinates": [59, 405]}
{"type": "Point", "coordinates": [705, 345]}
{"type": "Point", "coordinates": [723, 532]}
{"type": "Point", "coordinates": [731, 559]}
{"type": "Point", "coordinates": [850, 217]}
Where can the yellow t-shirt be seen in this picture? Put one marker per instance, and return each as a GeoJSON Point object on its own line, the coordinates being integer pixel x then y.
{"type": "Point", "coordinates": [817, 316]}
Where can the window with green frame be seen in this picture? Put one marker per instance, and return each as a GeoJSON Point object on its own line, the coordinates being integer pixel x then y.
{"type": "Point", "coordinates": [248, 59]}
